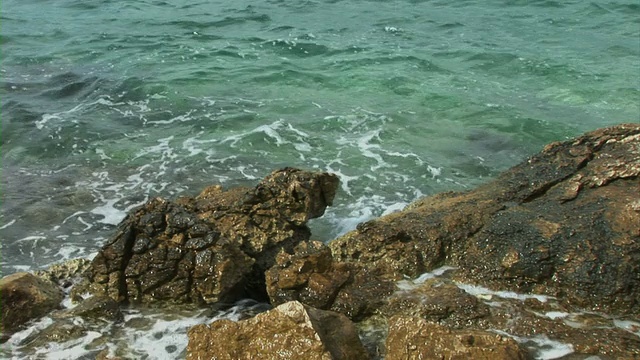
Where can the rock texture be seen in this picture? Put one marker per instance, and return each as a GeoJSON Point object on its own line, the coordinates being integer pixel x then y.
{"type": "Point", "coordinates": [444, 302]}
{"type": "Point", "coordinates": [211, 248]}
{"type": "Point", "coordinates": [23, 297]}
{"type": "Point", "coordinates": [290, 331]}
{"type": "Point", "coordinates": [310, 275]}
{"type": "Point", "coordinates": [414, 338]}
{"type": "Point", "coordinates": [441, 302]}
{"type": "Point", "coordinates": [565, 222]}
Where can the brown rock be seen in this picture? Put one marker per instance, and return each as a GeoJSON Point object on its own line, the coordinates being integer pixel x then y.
{"type": "Point", "coordinates": [438, 301]}
{"type": "Point", "coordinates": [211, 248]}
{"type": "Point", "coordinates": [415, 338]}
{"type": "Point", "coordinates": [564, 222]}
{"type": "Point", "coordinates": [24, 297]}
{"type": "Point", "coordinates": [290, 331]}
{"type": "Point", "coordinates": [311, 276]}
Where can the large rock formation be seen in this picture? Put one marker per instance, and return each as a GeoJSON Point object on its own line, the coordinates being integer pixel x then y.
{"type": "Point", "coordinates": [23, 297]}
{"type": "Point", "coordinates": [565, 222]}
{"type": "Point", "coordinates": [214, 247]}
{"type": "Point", "coordinates": [290, 331]}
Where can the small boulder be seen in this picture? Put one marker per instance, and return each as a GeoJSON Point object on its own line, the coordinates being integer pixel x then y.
{"type": "Point", "coordinates": [415, 338]}
{"type": "Point", "coordinates": [289, 331]}
{"type": "Point", "coordinates": [23, 297]}
{"type": "Point", "coordinates": [310, 275]}
{"type": "Point", "coordinates": [438, 301]}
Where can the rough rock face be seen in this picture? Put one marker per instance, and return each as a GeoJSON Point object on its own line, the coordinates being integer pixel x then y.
{"type": "Point", "coordinates": [531, 321]}
{"type": "Point", "coordinates": [212, 247]}
{"type": "Point", "coordinates": [290, 331]}
{"type": "Point", "coordinates": [23, 297]}
{"type": "Point", "coordinates": [565, 222]}
{"type": "Point", "coordinates": [415, 338]}
{"type": "Point", "coordinates": [311, 276]}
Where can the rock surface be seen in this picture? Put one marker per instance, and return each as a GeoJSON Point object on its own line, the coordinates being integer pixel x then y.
{"type": "Point", "coordinates": [24, 296]}
{"type": "Point", "coordinates": [290, 331]}
{"type": "Point", "coordinates": [444, 302]}
{"type": "Point", "coordinates": [211, 248]}
{"type": "Point", "coordinates": [414, 338]}
{"type": "Point", "coordinates": [565, 222]}
{"type": "Point", "coordinates": [310, 275]}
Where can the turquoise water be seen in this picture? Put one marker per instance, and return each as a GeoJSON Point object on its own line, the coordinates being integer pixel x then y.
{"type": "Point", "coordinates": [108, 103]}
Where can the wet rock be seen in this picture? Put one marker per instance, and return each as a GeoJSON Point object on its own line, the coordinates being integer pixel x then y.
{"type": "Point", "coordinates": [66, 273]}
{"type": "Point", "coordinates": [211, 248]}
{"type": "Point", "coordinates": [563, 223]}
{"type": "Point", "coordinates": [289, 331]}
{"type": "Point", "coordinates": [25, 296]}
{"type": "Point", "coordinates": [438, 301]}
{"type": "Point", "coordinates": [96, 307]}
{"type": "Point", "coordinates": [311, 276]}
{"type": "Point", "coordinates": [415, 338]}
{"type": "Point", "coordinates": [535, 323]}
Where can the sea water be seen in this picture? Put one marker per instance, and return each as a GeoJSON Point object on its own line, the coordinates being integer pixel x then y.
{"type": "Point", "coordinates": [106, 104]}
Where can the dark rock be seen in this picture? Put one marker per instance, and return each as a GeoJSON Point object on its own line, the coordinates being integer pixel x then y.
{"type": "Point", "coordinates": [24, 297]}
{"type": "Point", "coordinates": [564, 223]}
{"type": "Point", "coordinates": [289, 331]}
{"type": "Point", "coordinates": [311, 276]}
{"type": "Point", "coordinates": [415, 338]}
{"type": "Point", "coordinates": [211, 248]}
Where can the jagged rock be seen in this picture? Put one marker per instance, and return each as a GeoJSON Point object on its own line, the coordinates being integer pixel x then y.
{"type": "Point", "coordinates": [65, 271]}
{"type": "Point", "coordinates": [564, 223]}
{"type": "Point", "coordinates": [211, 248]}
{"type": "Point", "coordinates": [415, 338]}
{"type": "Point", "coordinates": [311, 276]}
{"type": "Point", "coordinates": [289, 331]}
{"type": "Point", "coordinates": [24, 296]}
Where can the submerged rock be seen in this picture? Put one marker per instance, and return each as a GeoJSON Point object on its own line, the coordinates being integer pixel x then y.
{"type": "Point", "coordinates": [211, 248]}
{"type": "Point", "coordinates": [565, 222]}
{"type": "Point", "coordinates": [415, 338]}
{"type": "Point", "coordinates": [289, 331]}
{"type": "Point", "coordinates": [23, 297]}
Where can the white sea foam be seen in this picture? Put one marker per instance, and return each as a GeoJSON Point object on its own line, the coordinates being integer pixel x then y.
{"type": "Point", "coordinates": [109, 213]}
{"type": "Point", "coordinates": [545, 348]}
{"type": "Point", "coordinates": [484, 292]}
{"type": "Point", "coordinates": [412, 284]}
{"type": "Point", "coordinates": [8, 224]}
{"type": "Point", "coordinates": [180, 118]}
{"type": "Point", "coordinates": [556, 314]}
{"type": "Point", "coordinates": [628, 325]}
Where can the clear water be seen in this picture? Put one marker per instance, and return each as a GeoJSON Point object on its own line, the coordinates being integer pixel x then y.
{"type": "Point", "coordinates": [108, 103]}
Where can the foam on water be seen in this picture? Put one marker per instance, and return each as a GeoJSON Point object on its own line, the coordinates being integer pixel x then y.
{"type": "Point", "coordinates": [628, 325]}
{"type": "Point", "coordinates": [483, 292]}
{"type": "Point", "coordinates": [146, 333]}
{"type": "Point", "coordinates": [545, 348]}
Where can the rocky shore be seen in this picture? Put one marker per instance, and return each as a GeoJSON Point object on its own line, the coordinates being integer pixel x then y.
{"type": "Point", "coordinates": [547, 253]}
